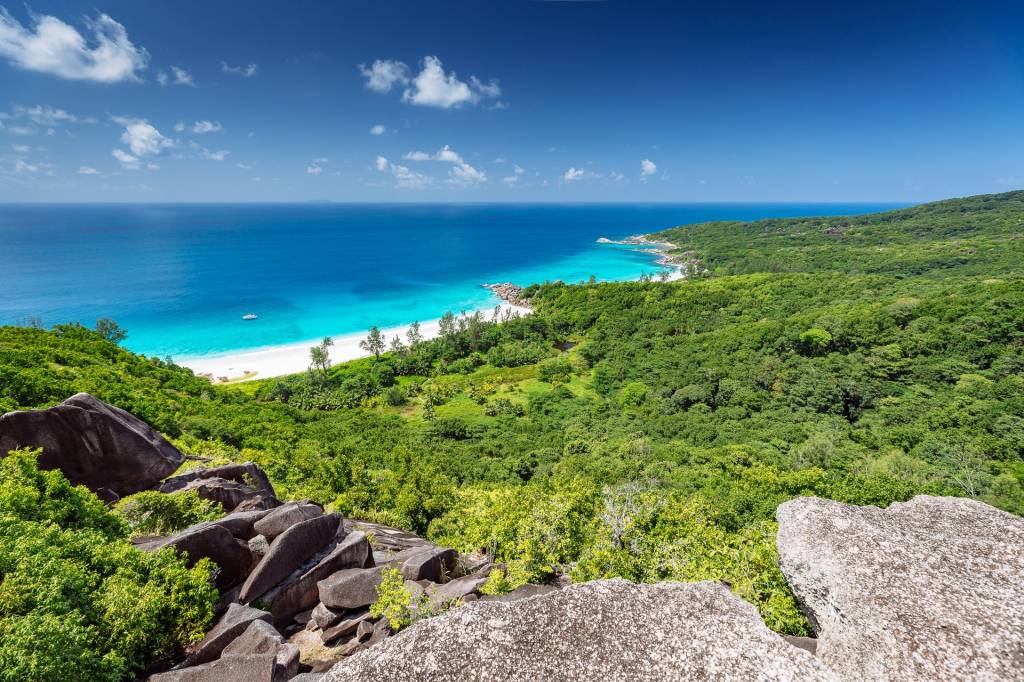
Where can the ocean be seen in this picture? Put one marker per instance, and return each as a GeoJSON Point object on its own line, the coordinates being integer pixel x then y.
{"type": "Point", "coordinates": [179, 277]}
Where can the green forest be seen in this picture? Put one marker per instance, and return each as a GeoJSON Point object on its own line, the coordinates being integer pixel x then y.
{"type": "Point", "coordinates": [644, 429]}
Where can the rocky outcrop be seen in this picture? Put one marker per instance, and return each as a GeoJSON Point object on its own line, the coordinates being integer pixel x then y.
{"type": "Point", "coordinates": [208, 540]}
{"type": "Point", "coordinates": [523, 592]}
{"type": "Point", "coordinates": [603, 630]}
{"type": "Point", "coordinates": [287, 552]}
{"type": "Point", "coordinates": [286, 516]}
{"type": "Point", "coordinates": [232, 624]}
{"type": "Point", "coordinates": [232, 486]}
{"type": "Point", "coordinates": [94, 444]}
{"type": "Point", "coordinates": [241, 524]}
{"type": "Point", "coordinates": [931, 589]}
{"type": "Point", "coordinates": [352, 588]}
{"type": "Point", "coordinates": [433, 563]}
{"type": "Point", "coordinates": [301, 593]}
{"type": "Point", "coordinates": [510, 293]}
{"type": "Point", "coordinates": [246, 473]}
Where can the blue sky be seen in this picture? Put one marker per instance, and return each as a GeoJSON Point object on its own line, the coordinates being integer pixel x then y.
{"type": "Point", "coordinates": [509, 101]}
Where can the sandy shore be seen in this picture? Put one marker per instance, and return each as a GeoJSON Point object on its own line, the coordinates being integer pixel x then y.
{"type": "Point", "coordinates": [275, 361]}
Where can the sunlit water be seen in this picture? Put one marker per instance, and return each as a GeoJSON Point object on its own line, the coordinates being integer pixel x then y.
{"type": "Point", "coordinates": [180, 277]}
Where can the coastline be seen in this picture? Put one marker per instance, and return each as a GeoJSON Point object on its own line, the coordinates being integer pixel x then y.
{"type": "Point", "coordinates": [293, 358]}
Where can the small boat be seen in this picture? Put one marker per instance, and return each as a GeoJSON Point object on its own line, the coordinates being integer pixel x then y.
{"type": "Point", "coordinates": [250, 316]}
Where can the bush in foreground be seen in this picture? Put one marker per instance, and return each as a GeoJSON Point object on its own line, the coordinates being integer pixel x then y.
{"type": "Point", "coordinates": [77, 601]}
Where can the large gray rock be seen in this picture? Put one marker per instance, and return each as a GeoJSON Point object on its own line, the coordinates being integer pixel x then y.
{"type": "Point", "coordinates": [523, 592]}
{"type": "Point", "coordinates": [230, 495]}
{"type": "Point", "coordinates": [215, 542]}
{"type": "Point", "coordinates": [435, 564]}
{"type": "Point", "coordinates": [604, 630]}
{"type": "Point", "coordinates": [251, 668]}
{"type": "Point", "coordinates": [240, 524]}
{"type": "Point", "coordinates": [288, 552]}
{"type": "Point", "coordinates": [259, 638]}
{"type": "Point", "coordinates": [231, 625]}
{"type": "Point", "coordinates": [931, 589]}
{"type": "Point", "coordinates": [246, 473]}
{"type": "Point", "coordinates": [94, 444]}
{"type": "Point", "coordinates": [286, 516]}
{"type": "Point", "coordinates": [302, 593]}
{"type": "Point", "coordinates": [352, 588]}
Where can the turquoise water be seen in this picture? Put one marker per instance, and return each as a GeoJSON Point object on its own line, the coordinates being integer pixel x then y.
{"type": "Point", "coordinates": [180, 277]}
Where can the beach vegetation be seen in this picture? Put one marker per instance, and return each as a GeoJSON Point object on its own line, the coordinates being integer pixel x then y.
{"type": "Point", "coordinates": [374, 342]}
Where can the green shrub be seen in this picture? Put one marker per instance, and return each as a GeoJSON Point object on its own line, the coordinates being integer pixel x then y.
{"type": "Point", "coordinates": [554, 370]}
{"type": "Point", "coordinates": [395, 397]}
{"type": "Point", "coordinates": [393, 600]}
{"type": "Point", "coordinates": [633, 394]}
{"type": "Point", "coordinates": [155, 513]}
{"type": "Point", "coordinates": [815, 341]}
{"type": "Point", "coordinates": [503, 406]}
{"type": "Point", "coordinates": [77, 600]}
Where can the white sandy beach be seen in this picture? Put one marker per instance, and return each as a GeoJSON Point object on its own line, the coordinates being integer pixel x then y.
{"type": "Point", "coordinates": [275, 361]}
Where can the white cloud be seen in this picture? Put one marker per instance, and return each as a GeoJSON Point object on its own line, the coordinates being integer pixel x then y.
{"type": "Point", "coordinates": [24, 167]}
{"type": "Point", "coordinates": [573, 174]}
{"type": "Point", "coordinates": [87, 170]}
{"type": "Point", "coordinates": [127, 161]}
{"type": "Point", "coordinates": [461, 174]}
{"type": "Point", "coordinates": [491, 89]}
{"type": "Point", "coordinates": [378, 130]}
{"type": "Point", "coordinates": [432, 86]}
{"type": "Point", "coordinates": [161, 78]}
{"type": "Point", "coordinates": [142, 138]}
{"type": "Point", "coordinates": [152, 166]}
{"type": "Point", "coordinates": [464, 174]}
{"type": "Point", "coordinates": [409, 179]}
{"type": "Point", "coordinates": [446, 153]}
{"type": "Point", "coordinates": [519, 170]}
{"type": "Point", "coordinates": [182, 77]}
{"type": "Point", "coordinates": [404, 177]}
{"type": "Point", "coordinates": [218, 155]}
{"type": "Point", "coordinates": [315, 166]}
{"type": "Point", "coordinates": [510, 179]}
{"type": "Point", "coordinates": [54, 47]}
{"type": "Point", "coordinates": [648, 167]}
{"type": "Point", "coordinates": [44, 115]}
{"type": "Point", "coordinates": [384, 74]}
{"type": "Point", "coordinates": [501, 159]}
{"type": "Point", "coordinates": [244, 71]}
{"type": "Point", "coordinates": [179, 127]}
{"type": "Point", "coordinates": [244, 166]}
{"type": "Point", "coordinates": [202, 127]}
{"type": "Point", "coordinates": [21, 148]}
{"type": "Point", "coordinates": [20, 130]}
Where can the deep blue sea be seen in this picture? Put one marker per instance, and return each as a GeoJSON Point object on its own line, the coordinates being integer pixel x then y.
{"type": "Point", "coordinates": [180, 277]}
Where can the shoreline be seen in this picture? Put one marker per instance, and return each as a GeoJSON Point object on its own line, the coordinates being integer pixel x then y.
{"type": "Point", "coordinates": [292, 358]}
{"type": "Point", "coordinates": [685, 263]}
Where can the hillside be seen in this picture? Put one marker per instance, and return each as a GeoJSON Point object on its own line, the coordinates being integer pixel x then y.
{"type": "Point", "coordinates": [864, 359]}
